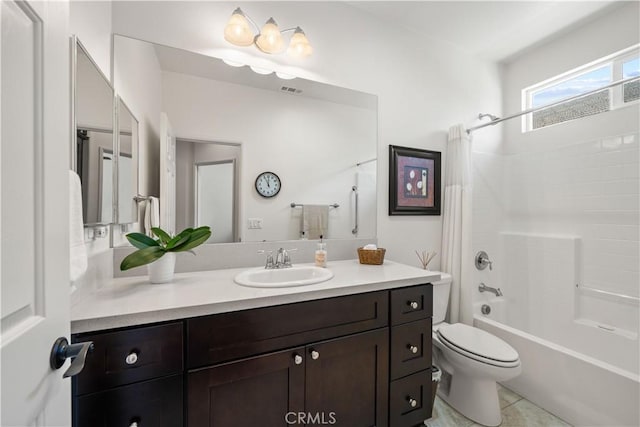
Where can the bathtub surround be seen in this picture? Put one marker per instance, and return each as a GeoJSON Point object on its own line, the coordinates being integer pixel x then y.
{"type": "Point", "coordinates": [557, 210]}
{"type": "Point", "coordinates": [457, 221]}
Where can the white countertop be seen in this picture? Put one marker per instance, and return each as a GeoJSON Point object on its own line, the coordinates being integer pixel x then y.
{"type": "Point", "coordinates": [134, 301]}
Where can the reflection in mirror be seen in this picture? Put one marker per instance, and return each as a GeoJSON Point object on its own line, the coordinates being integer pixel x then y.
{"type": "Point", "coordinates": [127, 164]}
{"type": "Point", "coordinates": [93, 153]}
{"type": "Point", "coordinates": [311, 135]}
{"type": "Point", "coordinates": [206, 190]}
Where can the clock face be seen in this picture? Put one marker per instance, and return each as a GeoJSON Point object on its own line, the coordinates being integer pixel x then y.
{"type": "Point", "coordinates": [268, 184]}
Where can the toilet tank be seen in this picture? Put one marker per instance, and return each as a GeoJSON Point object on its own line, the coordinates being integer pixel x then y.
{"type": "Point", "coordinates": [441, 290]}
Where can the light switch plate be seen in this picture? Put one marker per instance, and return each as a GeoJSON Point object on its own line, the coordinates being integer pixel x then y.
{"type": "Point", "coordinates": [255, 223]}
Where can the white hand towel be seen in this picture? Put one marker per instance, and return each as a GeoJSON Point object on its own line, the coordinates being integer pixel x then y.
{"type": "Point", "coordinates": [78, 251]}
{"type": "Point", "coordinates": [151, 214]}
{"type": "Point", "coordinates": [315, 221]}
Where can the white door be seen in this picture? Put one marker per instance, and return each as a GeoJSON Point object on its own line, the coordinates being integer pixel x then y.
{"type": "Point", "coordinates": [34, 163]}
{"type": "Point", "coordinates": [167, 176]}
{"type": "Point", "coordinates": [215, 194]}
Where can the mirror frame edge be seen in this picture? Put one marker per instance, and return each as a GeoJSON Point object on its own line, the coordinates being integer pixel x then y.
{"type": "Point", "coordinates": [135, 149]}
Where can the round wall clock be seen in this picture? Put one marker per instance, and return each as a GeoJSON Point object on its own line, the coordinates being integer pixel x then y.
{"type": "Point", "coordinates": [268, 184]}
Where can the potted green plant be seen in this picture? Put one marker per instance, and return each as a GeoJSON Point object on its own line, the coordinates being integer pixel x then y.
{"type": "Point", "coordinates": [160, 253]}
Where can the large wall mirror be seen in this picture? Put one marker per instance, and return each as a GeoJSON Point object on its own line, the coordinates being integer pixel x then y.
{"type": "Point", "coordinates": [92, 155]}
{"type": "Point", "coordinates": [231, 124]}
{"type": "Point", "coordinates": [127, 164]}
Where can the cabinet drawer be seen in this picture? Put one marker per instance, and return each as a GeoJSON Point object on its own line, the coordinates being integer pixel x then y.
{"type": "Point", "coordinates": [411, 304]}
{"type": "Point", "coordinates": [125, 357]}
{"type": "Point", "coordinates": [155, 403]}
{"type": "Point", "coordinates": [228, 336]}
{"type": "Point", "coordinates": [410, 348]}
{"type": "Point", "coordinates": [409, 400]}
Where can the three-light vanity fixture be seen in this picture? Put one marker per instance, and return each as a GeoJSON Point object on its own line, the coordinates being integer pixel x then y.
{"type": "Point", "coordinates": [268, 39]}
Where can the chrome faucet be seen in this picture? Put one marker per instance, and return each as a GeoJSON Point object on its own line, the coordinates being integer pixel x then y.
{"type": "Point", "coordinates": [269, 264]}
{"type": "Point", "coordinates": [485, 288]}
{"type": "Point", "coordinates": [282, 259]}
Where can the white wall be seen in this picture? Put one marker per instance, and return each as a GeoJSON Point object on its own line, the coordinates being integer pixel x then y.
{"type": "Point", "coordinates": [580, 178]}
{"type": "Point", "coordinates": [137, 79]}
{"type": "Point", "coordinates": [91, 22]}
{"type": "Point", "coordinates": [424, 86]}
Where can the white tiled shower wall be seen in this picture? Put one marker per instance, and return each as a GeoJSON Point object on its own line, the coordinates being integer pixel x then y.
{"type": "Point", "coordinates": [588, 190]}
{"type": "Point", "coordinates": [488, 216]}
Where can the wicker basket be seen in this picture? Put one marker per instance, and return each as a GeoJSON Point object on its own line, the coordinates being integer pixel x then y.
{"type": "Point", "coordinates": [373, 257]}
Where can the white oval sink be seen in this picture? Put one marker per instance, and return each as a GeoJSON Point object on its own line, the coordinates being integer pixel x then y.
{"type": "Point", "coordinates": [282, 278]}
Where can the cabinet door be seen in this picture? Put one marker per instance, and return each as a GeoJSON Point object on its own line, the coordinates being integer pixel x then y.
{"type": "Point", "coordinates": [258, 391]}
{"type": "Point", "coordinates": [347, 380]}
{"type": "Point", "coordinates": [155, 403]}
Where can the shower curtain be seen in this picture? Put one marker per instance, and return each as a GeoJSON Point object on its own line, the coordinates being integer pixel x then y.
{"type": "Point", "coordinates": [457, 256]}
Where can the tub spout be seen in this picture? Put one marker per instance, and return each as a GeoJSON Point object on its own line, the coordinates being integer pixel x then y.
{"type": "Point", "coordinates": [484, 288]}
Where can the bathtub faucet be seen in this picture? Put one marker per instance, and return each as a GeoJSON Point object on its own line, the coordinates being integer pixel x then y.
{"type": "Point", "coordinates": [485, 288]}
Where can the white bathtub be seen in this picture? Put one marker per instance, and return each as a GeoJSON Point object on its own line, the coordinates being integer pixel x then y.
{"type": "Point", "coordinates": [581, 390]}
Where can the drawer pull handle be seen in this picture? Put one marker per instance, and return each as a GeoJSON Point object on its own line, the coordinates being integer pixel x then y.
{"type": "Point", "coordinates": [412, 402]}
{"type": "Point", "coordinates": [134, 424]}
{"type": "Point", "coordinates": [131, 359]}
{"type": "Point", "coordinates": [297, 359]}
{"type": "Point", "coordinates": [413, 349]}
{"type": "Point", "coordinates": [315, 355]}
{"type": "Point", "coordinates": [413, 304]}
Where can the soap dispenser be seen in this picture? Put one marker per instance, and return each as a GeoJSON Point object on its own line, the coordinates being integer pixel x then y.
{"type": "Point", "coordinates": [321, 254]}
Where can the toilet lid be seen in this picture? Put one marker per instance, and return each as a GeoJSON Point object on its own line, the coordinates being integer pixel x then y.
{"type": "Point", "coordinates": [478, 342]}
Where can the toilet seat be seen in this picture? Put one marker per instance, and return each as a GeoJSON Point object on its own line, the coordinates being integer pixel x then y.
{"type": "Point", "coordinates": [478, 345]}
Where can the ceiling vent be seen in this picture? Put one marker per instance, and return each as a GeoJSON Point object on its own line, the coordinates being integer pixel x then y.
{"type": "Point", "coordinates": [291, 90]}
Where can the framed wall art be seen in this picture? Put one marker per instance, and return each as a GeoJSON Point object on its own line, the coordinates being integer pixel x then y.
{"type": "Point", "coordinates": [414, 181]}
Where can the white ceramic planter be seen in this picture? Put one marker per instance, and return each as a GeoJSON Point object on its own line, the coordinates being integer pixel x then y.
{"type": "Point", "coordinates": [161, 270]}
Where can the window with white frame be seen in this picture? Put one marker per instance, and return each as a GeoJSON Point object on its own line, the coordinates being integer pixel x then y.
{"type": "Point", "coordinates": [585, 79]}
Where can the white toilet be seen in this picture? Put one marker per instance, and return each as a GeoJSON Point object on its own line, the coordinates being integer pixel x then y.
{"type": "Point", "coordinates": [471, 360]}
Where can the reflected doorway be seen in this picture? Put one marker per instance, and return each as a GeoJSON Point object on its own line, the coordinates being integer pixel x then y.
{"type": "Point", "coordinates": [207, 187]}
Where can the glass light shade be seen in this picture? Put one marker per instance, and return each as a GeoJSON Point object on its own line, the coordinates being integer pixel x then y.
{"type": "Point", "coordinates": [233, 63]}
{"type": "Point", "coordinates": [285, 76]}
{"type": "Point", "coordinates": [299, 46]}
{"type": "Point", "coordinates": [270, 38]}
{"type": "Point", "coordinates": [238, 31]}
{"type": "Point", "coordinates": [260, 70]}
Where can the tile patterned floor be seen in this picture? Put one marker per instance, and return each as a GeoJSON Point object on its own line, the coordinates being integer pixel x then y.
{"type": "Point", "coordinates": [516, 412]}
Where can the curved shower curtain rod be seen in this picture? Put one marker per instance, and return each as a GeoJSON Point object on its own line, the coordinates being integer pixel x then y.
{"type": "Point", "coordinates": [495, 120]}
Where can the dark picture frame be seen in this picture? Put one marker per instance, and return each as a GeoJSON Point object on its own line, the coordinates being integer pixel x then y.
{"type": "Point", "coordinates": [414, 181]}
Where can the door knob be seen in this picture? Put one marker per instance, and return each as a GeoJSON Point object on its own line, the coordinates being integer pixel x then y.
{"type": "Point", "coordinates": [297, 359]}
{"type": "Point", "coordinates": [412, 348]}
{"type": "Point", "coordinates": [413, 304]}
{"type": "Point", "coordinates": [412, 402]}
{"type": "Point", "coordinates": [315, 355]}
{"type": "Point", "coordinates": [62, 351]}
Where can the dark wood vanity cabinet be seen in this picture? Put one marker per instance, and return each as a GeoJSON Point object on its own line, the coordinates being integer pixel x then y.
{"type": "Point", "coordinates": [355, 361]}
{"type": "Point", "coordinates": [342, 381]}
{"type": "Point", "coordinates": [410, 386]}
